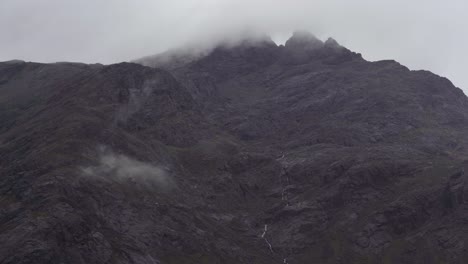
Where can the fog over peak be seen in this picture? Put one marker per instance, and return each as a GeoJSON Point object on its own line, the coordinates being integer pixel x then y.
{"type": "Point", "coordinates": [420, 34]}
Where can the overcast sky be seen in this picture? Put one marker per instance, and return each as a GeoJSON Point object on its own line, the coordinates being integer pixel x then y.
{"type": "Point", "coordinates": [421, 34]}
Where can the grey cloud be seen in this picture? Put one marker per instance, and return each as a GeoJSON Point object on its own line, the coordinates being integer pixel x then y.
{"type": "Point", "coordinates": [420, 34]}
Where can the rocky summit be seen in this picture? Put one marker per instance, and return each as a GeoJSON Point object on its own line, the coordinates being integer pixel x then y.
{"type": "Point", "coordinates": [251, 152]}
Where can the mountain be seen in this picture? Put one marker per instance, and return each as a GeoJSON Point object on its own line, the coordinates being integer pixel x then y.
{"type": "Point", "coordinates": [243, 153]}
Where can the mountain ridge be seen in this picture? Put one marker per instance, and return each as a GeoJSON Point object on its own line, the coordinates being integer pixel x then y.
{"type": "Point", "coordinates": [245, 154]}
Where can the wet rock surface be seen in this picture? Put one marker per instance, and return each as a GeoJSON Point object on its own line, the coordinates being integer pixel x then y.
{"type": "Point", "coordinates": [251, 153]}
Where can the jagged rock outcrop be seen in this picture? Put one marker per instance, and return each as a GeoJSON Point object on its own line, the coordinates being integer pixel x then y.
{"type": "Point", "coordinates": [244, 153]}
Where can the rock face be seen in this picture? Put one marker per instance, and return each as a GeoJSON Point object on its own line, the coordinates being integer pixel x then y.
{"type": "Point", "coordinates": [246, 153]}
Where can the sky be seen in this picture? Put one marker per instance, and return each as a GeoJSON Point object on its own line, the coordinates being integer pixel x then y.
{"type": "Point", "coordinates": [421, 34]}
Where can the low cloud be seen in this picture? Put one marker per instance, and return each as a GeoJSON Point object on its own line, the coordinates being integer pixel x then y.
{"type": "Point", "coordinates": [121, 168]}
{"type": "Point", "coordinates": [420, 34]}
{"type": "Point", "coordinates": [136, 99]}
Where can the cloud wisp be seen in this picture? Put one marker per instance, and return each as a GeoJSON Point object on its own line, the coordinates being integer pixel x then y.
{"type": "Point", "coordinates": [123, 169]}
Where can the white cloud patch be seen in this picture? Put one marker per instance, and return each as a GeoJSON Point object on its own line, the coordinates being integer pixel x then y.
{"type": "Point", "coordinates": [121, 168]}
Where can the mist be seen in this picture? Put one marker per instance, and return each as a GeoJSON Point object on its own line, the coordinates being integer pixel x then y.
{"type": "Point", "coordinates": [123, 169]}
{"type": "Point", "coordinates": [419, 34]}
{"type": "Point", "coordinates": [137, 98]}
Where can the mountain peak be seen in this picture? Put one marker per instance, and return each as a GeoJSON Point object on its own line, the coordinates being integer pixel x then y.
{"type": "Point", "coordinates": [332, 43]}
{"type": "Point", "coordinates": [303, 40]}
{"type": "Point", "coordinates": [248, 41]}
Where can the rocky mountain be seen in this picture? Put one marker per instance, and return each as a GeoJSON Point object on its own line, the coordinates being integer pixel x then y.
{"type": "Point", "coordinates": [245, 153]}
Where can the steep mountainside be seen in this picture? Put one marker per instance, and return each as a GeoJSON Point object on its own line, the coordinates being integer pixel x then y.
{"type": "Point", "coordinates": [246, 153]}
